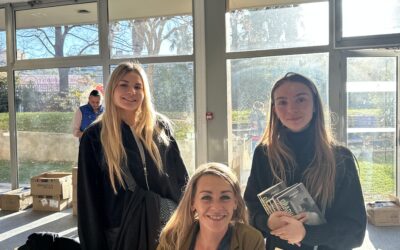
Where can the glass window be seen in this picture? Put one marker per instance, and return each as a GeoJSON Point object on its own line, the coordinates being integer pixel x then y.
{"type": "Point", "coordinates": [371, 122]}
{"type": "Point", "coordinates": [370, 17]}
{"type": "Point", "coordinates": [45, 102]}
{"type": "Point", "coordinates": [172, 88]}
{"type": "Point", "coordinates": [63, 31]}
{"type": "Point", "coordinates": [251, 83]}
{"type": "Point", "coordinates": [274, 27]}
{"type": "Point", "coordinates": [4, 136]}
{"type": "Point", "coordinates": [150, 28]}
{"type": "Point", "coordinates": [3, 44]}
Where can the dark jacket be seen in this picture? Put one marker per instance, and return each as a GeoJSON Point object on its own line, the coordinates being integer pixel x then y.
{"type": "Point", "coordinates": [346, 217]}
{"type": "Point", "coordinates": [100, 211]}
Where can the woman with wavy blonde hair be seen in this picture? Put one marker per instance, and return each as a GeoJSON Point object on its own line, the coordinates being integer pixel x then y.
{"type": "Point", "coordinates": [129, 165]}
{"type": "Point", "coordinates": [297, 147]}
{"type": "Point", "coordinates": [211, 214]}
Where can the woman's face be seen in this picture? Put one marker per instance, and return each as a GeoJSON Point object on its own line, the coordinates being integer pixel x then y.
{"type": "Point", "coordinates": [129, 94]}
{"type": "Point", "coordinates": [214, 202]}
{"type": "Point", "coordinates": [294, 105]}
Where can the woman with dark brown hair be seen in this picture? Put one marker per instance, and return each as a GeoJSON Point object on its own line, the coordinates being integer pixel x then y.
{"type": "Point", "coordinates": [297, 147]}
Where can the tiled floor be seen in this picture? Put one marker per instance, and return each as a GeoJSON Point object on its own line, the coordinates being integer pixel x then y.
{"type": "Point", "coordinates": [16, 227]}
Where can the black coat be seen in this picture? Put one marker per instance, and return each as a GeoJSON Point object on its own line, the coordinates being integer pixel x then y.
{"type": "Point", "coordinates": [346, 218]}
{"type": "Point", "coordinates": [100, 211]}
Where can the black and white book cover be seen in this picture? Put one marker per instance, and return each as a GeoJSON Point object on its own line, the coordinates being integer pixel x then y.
{"type": "Point", "coordinates": [266, 197]}
{"type": "Point", "coordinates": [296, 199]}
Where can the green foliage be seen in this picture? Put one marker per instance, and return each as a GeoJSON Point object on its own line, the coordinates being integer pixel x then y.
{"type": "Point", "coordinates": [378, 69]}
{"type": "Point", "coordinates": [28, 99]}
{"type": "Point", "coordinates": [182, 129]}
{"type": "Point", "coordinates": [172, 87]}
{"type": "Point", "coordinates": [377, 180]}
{"type": "Point", "coordinates": [27, 169]}
{"type": "Point", "coordinates": [3, 92]}
{"type": "Point", "coordinates": [4, 121]}
{"type": "Point", "coordinates": [52, 122]}
{"type": "Point", "coordinates": [241, 116]}
{"type": "Point", "coordinates": [366, 112]}
{"type": "Point", "coordinates": [252, 79]}
{"type": "Point", "coordinates": [61, 122]}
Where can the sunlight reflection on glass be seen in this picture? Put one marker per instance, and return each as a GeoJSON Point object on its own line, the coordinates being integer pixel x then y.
{"type": "Point", "coordinates": [370, 17]}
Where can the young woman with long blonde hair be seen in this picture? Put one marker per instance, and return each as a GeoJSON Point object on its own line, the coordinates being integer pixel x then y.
{"type": "Point", "coordinates": [297, 147]}
{"type": "Point", "coordinates": [129, 165]}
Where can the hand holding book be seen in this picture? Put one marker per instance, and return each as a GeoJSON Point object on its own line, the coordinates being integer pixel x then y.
{"type": "Point", "coordinates": [292, 231]}
{"type": "Point", "coordinates": [293, 200]}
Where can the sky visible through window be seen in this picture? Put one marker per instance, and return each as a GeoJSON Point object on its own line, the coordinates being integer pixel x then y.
{"type": "Point", "coordinates": [370, 17]}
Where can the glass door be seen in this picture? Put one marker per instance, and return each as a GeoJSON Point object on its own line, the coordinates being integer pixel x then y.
{"type": "Point", "coordinates": [371, 89]}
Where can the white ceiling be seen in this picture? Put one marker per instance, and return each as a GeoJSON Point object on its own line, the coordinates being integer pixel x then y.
{"type": "Point", "coordinates": [56, 16]}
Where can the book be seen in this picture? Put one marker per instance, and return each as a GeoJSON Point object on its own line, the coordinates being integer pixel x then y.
{"type": "Point", "coordinates": [266, 196]}
{"type": "Point", "coordinates": [294, 200]}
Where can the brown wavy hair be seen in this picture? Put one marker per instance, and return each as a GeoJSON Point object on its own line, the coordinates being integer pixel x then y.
{"type": "Point", "coordinates": [319, 177]}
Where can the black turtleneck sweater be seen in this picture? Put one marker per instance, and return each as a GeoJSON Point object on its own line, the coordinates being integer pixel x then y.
{"type": "Point", "coordinates": [346, 217]}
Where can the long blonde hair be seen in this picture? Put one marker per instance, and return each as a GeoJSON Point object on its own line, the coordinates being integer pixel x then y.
{"type": "Point", "coordinates": [145, 124]}
{"type": "Point", "coordinates": [181, 222]}
{"type": "Point", "coordinates": [319, 177]}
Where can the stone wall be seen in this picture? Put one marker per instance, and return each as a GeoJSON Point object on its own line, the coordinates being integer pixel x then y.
{"type": "Point", "coordinates": [40, 146]}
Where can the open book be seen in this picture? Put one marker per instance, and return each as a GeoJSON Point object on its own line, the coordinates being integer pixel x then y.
{"type": "Point", "coordinates": [293, 200]}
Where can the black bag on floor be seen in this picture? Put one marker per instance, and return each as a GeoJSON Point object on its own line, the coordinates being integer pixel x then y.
{"type": "Point", "coordinates": [49, 241]}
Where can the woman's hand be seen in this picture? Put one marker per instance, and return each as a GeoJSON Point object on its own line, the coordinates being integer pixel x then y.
{"type": "Point", "coordinates": [274, 220]}
{"type": "Point", "coordinates": [292, 230]}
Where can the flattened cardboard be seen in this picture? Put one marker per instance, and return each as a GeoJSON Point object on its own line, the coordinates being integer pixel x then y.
{"type": "Point", "coordinates": [15, 200]}
{"type": "Point", "coordinates": [75, 176]}
{"type": "Point", "coordinates": [74, 193]}
{"type": "Point", "coordinates": [75, 208]}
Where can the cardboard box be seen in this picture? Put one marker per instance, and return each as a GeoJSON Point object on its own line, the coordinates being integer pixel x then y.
{"type": "Point", "coordinates": [52, 184]}
{"type": "Point", "coordinates": [50, 203]}
{"type": "Point", "coordinates": [17, 199]}
{"type": "Point", "coordinates": [75, 176]}
{"type": "Point", "coordinates": [384, 213]}
{"type": "Point", "coordinates": [74, 193]}
{"type": "Point", "coordinates": [75, 208]}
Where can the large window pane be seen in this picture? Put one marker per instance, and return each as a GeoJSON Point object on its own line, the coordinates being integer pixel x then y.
{"type": "Point", "coordinates": [173, 95]}
{"type": "Point", "coordinates": [370, 17]}
{"type": "Point", "coordinates": [64, 31]}
{"type": "Point", "coordinates": [3, 45]}
{"type": "Point", "coordinates": [4, 136]}
{"type": "Point", "coordinates": [286, 26]}
{"type": "Point", "coordinates": [45, 102]}
{"type": "Point", "coordinates": [251, 83]}
{"type": "Point", "coordinates": [150, 28]}
{"type": "Point", "coordinates": [371, 122]}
